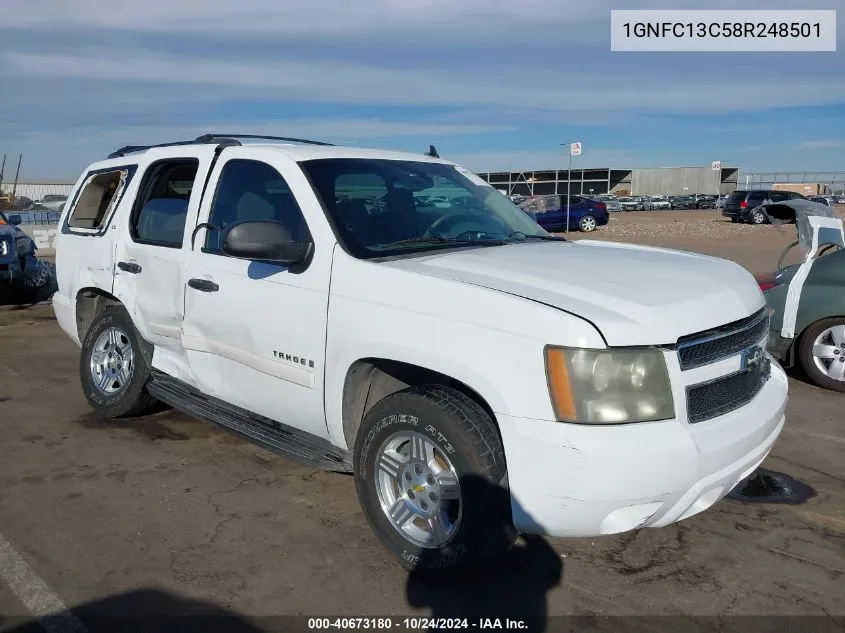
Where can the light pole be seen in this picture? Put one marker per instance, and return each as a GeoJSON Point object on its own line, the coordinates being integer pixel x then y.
{"type": "Point", "coordinates": [572, 148]}
{"type": "Point", "coordinates": [717, 167]}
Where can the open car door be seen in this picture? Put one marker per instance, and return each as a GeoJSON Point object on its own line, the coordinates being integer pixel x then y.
{"type": "Point", "coordinates": [819, 228]}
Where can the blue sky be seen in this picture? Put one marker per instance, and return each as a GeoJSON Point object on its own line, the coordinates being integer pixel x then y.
{"type": "Point", "coordinates": [494, 84]}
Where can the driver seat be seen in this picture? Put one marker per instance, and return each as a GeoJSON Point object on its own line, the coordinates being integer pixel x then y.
{"type": "Point", "coordinates": [401, 214]}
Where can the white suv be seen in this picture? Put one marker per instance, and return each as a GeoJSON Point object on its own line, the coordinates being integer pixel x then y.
{"type": "Point", "coordinates": [393, 316]}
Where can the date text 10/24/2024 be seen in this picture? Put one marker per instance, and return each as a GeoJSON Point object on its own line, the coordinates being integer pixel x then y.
{"type": "Point", "coordinates": [416, 624]}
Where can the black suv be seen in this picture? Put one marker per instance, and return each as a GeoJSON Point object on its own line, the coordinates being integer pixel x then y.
{"type": "Point", "coordinates": [741, 205]}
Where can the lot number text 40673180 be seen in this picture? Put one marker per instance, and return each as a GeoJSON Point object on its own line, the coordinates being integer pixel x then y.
{"type": "Point", "coordinates": [417, 624]}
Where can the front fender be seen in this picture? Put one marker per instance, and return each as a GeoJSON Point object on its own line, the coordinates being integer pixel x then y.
{"type": "Point", "coordinates": [491, 341]}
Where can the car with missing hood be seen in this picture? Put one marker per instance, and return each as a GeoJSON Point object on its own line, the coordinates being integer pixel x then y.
{"type": "Point", "coordinates": [477, 376]}
{"type": "Point", "coordinates": [22, 274]}
{"type": "Point", "coordinates": [660, 203]}
{"type": "Point", "coordinates": [610, 201]}
{"type": "Point", "coordinates": [806, 299]}
{"type": "Point", "coordinates": [630, 203]}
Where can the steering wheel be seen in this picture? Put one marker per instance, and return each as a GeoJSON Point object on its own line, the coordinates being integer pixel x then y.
{"type": "Point", "coordinates": [450, 222]}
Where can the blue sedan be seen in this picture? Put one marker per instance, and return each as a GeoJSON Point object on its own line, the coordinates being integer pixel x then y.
{"type": "Point", "coordinates": [550, 213]}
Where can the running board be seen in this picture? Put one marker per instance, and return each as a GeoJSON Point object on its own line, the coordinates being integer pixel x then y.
{"type": "Point", "coordinates": [270, 435]}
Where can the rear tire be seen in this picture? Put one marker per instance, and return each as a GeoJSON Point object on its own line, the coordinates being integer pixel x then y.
{"type": "Point", "coordinates": [113, 369]}
{"type": "Point", "coordinates": [817, 353]}
{"type": "Point", "coordinates": [758, 217]}
{"type": "Point", "coordinates": [431, 480]}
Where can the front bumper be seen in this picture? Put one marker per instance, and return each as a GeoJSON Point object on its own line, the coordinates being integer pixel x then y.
{"type": "Point", "coordinates": [780, 347]}
{"type": "Point", "coordinates": [11, 274]}
{"type": "Point", "coordinates": [579, 481]}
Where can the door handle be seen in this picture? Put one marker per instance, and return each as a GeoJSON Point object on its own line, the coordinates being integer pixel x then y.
{"type": "Point", "coordinates": [129, 267]}
{"type": "Point", "coordinates": [203, 285]}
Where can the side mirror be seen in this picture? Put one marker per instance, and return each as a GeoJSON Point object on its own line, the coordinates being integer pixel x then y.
{"type": "Point", "coordinates": [267, 241]}
{"type": "Point", "coordinates": [15, 219]}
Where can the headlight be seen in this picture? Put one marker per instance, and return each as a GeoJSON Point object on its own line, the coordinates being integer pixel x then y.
{"type": "Point", "coordinates": [611, 386]}
{"type": "Point", "coordinates": [4, 247]}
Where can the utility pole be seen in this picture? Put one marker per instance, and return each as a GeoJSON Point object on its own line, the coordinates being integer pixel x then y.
{"type": "Point", "coordinates": [2, 171]}
{"type": "Point", "coordinates": [17, 173]}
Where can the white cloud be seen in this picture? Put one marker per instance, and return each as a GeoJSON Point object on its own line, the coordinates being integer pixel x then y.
{"type": "Point", "coordinates": [341, 130]}
{"type": "Point", "coordinates": [543, 160]}
{"type": "Point", "coordinates": [69, 151]}
{"type": "Point", "coordinates": [88, 70]}
{"type": "Point", "coordinates": [351, 83]}
{"type": "Point", "coordinates": [327, 17]}
{"type": "Point", "coordinates": [822, 144]}
{"type": "Point", "coordinates": [299, 17]}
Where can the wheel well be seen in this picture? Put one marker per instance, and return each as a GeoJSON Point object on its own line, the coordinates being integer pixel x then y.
{"type": "Point", "coordinates": [372, 379]}
{"type": "Point", "coordinates": [89, 303]}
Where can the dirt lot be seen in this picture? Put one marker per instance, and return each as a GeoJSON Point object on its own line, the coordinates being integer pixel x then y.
{"type": "Point", "coordinates": [97, 509]}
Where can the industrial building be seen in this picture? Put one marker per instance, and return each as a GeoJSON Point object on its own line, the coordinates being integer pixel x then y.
{"type": "Point", "coordinates": [667, 181]}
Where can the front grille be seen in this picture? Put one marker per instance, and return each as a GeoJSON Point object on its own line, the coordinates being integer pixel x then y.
{"type": "Point", "coordinates": [713, 345]}
{"type": "Point", "coordinates": [709, 400]}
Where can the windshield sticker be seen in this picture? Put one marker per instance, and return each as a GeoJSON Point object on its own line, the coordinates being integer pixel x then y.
{"type": "Point", "coordinates": [476, 180]}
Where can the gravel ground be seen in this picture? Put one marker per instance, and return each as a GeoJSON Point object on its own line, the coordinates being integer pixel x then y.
{"type": "Point", "coordinates": [686, 225]}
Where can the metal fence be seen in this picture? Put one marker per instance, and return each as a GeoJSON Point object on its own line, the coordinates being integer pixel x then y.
{"type": "Point", "coordinates": [832, 181]}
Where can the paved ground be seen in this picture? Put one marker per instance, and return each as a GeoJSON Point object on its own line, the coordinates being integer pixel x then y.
{"type": "Point", "coordinates": [92, 509]}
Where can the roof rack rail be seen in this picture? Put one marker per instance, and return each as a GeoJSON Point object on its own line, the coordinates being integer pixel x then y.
{"type": "Point", "coordinates": [225, 140]}
{"type": "Point", "coordinates": [131, 149]}
{"type": "Point", "coordinates": [209, 138]}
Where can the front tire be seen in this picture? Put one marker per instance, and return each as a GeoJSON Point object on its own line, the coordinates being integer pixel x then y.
{"type": "Point", "coordinates": [587, 224]}
{"type": "Point", "coordinates": [431, 479]}
{"type": "Point", "coordinates": [821, 353]}
{"type": "Point", "coordinates": [112, 367]}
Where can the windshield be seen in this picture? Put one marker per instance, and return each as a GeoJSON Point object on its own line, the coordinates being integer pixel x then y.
{"type": "Point", "coordinates": [389, 207]}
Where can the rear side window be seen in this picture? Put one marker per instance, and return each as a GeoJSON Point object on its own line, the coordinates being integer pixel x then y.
{"type": "Point", "coordinates": [757, 196]}
{"type": "Point", "coordinates": [779, 196]}
{"type": "Point", "coordinates": [96, 199]}
{"type": "Point", "coordinates": [161, 208]}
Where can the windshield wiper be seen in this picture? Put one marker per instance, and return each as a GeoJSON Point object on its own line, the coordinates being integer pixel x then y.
{"type": "Point", "coordinates": [519, 235]}
{"type": "Point", "coordinates": [439, 239]}
{"type": "Point", "coordinates": [431, 239]}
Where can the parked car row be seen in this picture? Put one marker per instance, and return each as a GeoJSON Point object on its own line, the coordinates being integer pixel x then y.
{"type": "Point", "coordinates": [653, 203]}
{"type": "Point", "coordinates": [50, 202]}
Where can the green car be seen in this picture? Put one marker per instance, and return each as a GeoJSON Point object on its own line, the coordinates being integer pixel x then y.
{"type": "Point", "coordinates": [807, 300]}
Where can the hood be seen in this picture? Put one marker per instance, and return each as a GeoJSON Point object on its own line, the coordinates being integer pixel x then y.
{"type": "Point", "coordinates": [634, 295]}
